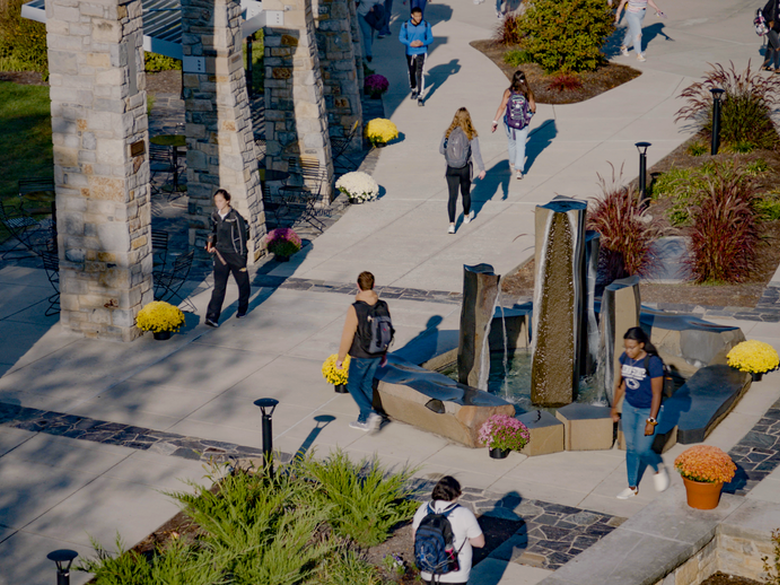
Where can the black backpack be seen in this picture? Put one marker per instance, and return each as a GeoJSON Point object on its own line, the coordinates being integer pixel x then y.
{"type": "Point", "coordinates": [433, 543]}
{"type": "Point", "coordinates": [457, 150]}
{"type": "Point", "coordinates": [376, 334]}
{"type": "Point", "coordinates": [669, 385]}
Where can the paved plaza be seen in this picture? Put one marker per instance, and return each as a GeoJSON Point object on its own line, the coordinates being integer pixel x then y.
{"type": "Point", "coordinates": [92, 432]}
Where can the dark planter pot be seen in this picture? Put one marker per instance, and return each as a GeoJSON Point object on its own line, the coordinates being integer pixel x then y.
{"type": "Point", "coordinates": [756, 376]}
{"type": "Point", "coordinates": [279, 258]}
{"type": "Point", "coordinates": [341, 388]}
{"type": "Point", "coordinates": [380, 144]}
{"type": "Point", "coordinates": [162, 335]}
{"type": "Point", "coordinates": [499, 453]}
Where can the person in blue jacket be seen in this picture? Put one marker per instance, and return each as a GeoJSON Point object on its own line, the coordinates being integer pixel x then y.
{"type": "Point", "coordinates": [416, 35]}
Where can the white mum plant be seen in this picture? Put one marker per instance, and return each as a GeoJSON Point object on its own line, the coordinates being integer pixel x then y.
{"type": "Point", "coordinates": [359, 187]}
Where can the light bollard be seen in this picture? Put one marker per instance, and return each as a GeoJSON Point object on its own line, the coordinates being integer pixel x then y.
{"type": "Point", "coordinates": [63, 558]}
{"type": "Point", "coordinates": [267, 406]}
{"type": "Point", "coordinates": [642, 148]}
{"type": "Point", "coordinates": [717, 94]}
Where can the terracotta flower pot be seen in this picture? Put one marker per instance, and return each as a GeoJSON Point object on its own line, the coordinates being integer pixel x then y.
{"type": "Point", "coordinates": [499, 453]}
{"type": "Point", "coordinates": [162, 335]}
{"type": "Point", "coordinates": [340, 388]}
{"type": "Point", "coordinates": [702, 495]}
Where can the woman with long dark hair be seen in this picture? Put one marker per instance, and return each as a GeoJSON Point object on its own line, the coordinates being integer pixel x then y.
{"type": "Point", "coordinates": [516, 108]}
{"type": "Point", "coordinates": [641, 382]}
{"type": "Point", "coordinates": [459, 145]}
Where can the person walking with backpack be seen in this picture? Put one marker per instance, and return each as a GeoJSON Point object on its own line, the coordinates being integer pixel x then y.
{"type": "Point", "coordinates": [772, 55]}
{"type": "Point", "coordinates": [642, 382]}
{"type": "Point", "coordinates": [444, 535]}
{"type": "Point", "coordinates": [229, 233]}
{"type": "Point", "coordinates": [459, 145]}
{"type": "Point", "coordinates": [416, 35]}
{"type": "Point", "coordinates": [368, 332]}
{"type": "Point", "coordinates": [516, 108]}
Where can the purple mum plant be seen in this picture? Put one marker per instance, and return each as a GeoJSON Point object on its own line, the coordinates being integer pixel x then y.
{"type": "Point", "coordinates": [375, 85]}
{"type": "Point", "coordinates": [283, 242]}
{"type": "Point", "coordinates": [502, 431]}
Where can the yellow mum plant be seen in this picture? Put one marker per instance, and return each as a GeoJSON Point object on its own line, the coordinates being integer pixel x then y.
{"type": "Point", "coordinates": [332, 374]}
{"type": "Point", "coordinates": [705, 463]}
{"type": "Point", "coordinates": [753, 356]}
{"type": "Point", "coordinates": [159, 316]}
{"type": "Point", "coordinates": [380, 130]}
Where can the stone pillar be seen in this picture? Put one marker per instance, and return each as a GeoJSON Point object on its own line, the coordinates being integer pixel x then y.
{"type": "Point", "coordinates": [620, 308]}
{"type": "Point", "coordinates": [480, 291]}
{"type": "Point", "coordinates": [558, 301]}
{"type": "Point", "coordinates": [101, 168]}
{"type": "Point", "coordinates": [338, 69]}
{"type": "Point", "coordinates": [357, 44]}
{"type": "Point", "coordinates": [220, 144]}
{"type": "Point", "coordinates": [295, 114]}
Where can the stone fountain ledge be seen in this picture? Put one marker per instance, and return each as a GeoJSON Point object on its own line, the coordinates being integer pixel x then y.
{"type": "Point", "coordinates": [669, 543]}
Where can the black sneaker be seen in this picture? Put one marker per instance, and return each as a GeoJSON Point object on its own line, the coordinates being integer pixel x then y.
{"type": "Point", "coordinates": [420, 102]}
{"type": "Point", "coordinates": [211, 323]}
{"type": "Point", "coordinates": [414, 95]}
{"type": "Point", "coordinates": [240, 315]}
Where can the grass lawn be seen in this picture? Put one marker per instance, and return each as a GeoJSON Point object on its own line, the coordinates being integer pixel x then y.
{"type": "Point", "coordinates": [25, 135]}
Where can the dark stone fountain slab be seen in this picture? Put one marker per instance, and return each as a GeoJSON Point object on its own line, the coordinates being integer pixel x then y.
{"type": "Point", "coordinates": [702, 402]}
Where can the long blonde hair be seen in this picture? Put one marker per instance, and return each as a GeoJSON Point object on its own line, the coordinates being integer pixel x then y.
{"type": "Point", "coordinates": [463, 119]}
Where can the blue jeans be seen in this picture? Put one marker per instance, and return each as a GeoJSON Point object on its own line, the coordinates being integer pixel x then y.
{"type": "Point", "coordinates": [388, 12]}
{"type": "Point", "coordinates": [639, 448]}
{"type": "Point", "coordinates": [368, 36]}
{"type": "Point", "coordinates": [634, 31]}
{"type": "Point", "coordinates": [418, 4]}
{"type": "Point", "coordinates": [360, 384]}
{"type": "Point", "coordinates": [517, 139]}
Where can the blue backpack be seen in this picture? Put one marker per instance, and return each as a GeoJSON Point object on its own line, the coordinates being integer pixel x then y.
{"type": "Point", "coordinates": [433, 543]}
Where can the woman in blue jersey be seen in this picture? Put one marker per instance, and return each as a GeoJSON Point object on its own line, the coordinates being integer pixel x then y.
{"type": "Point", "coordinates": [641, 382]}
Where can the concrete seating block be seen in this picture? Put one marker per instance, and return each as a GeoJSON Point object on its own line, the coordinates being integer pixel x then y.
{"type": "Point", "coordinates": [546, 433]}
{"type": "Point", "coordinates": [587, 427]}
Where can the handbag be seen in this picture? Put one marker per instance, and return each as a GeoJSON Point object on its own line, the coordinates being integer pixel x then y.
{"type": "Point", "coordinates": [376, 17]}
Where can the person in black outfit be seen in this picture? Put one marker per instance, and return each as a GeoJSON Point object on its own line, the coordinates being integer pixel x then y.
{"type": "Point", "coordinates": [771, 13]}
{"type": "Point", "coordinates": [227, 242]}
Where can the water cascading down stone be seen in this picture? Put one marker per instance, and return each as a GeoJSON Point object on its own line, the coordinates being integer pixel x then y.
{"type": "Point", "coordinates": [558, 301]}
{"type": "Point", "coordinates": [480, 291]}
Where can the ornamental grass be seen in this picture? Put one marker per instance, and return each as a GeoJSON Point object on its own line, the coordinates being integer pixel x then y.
{"type": "Point", "coordinates": [381, 131]}
{"type": "Point", "coordinates": [705, 463]}
{"type": "Point", "coordinates": [332, 374]}
{"type": "Point", "coordinates": [502, 431]}
{"type": "Point", "coordinates": [358, 186]}
{"type": "Point", "coordinates": [283, 242]}
{"type": "Point", "coordinates": [753, 356]}
{"type": "Point", "coordinates": [159, 316]}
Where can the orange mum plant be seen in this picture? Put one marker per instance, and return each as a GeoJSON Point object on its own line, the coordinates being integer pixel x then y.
{"type": "Point", "coordinates": [705, 463]}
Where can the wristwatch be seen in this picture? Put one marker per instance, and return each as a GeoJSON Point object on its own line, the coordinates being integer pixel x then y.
{"type": "Point", "coordinates": [652, 421]}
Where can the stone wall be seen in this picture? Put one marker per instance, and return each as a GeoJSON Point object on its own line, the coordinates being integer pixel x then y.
{"type": "Point", "coordinates": [221, 150]}
{"type": "Point", "coordinates": [101, 169]}
{"type": "Point", "coordinates": [295, 113]}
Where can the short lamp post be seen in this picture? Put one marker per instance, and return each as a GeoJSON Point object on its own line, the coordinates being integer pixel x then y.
{"type": "Point", "coordinates": [267, 406]}
{"type": "Point", "coordinates": [642, 148]}
{"type": "Point", "coordinates": [717, 94]}
{"type": "Point", "coordinates": [63, 558]}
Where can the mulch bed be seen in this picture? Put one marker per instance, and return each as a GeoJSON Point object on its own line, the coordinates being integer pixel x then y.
{"type": "Point", "coordinates": [593, 82]}
{"type": "Point", "coordinates": [724, 579]}
{"type": "Point", "coordinates": [23, 77]}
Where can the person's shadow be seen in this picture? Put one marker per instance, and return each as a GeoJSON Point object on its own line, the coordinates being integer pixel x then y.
{"type": "Point", "coordinates": [506, 538]}
{"type": "Point", "coordinates": [538, 139]}
{"type": "Point", "coordinates": [438, 75]}
{"type": "Point", "coordinates": [654, 30]}
{"type": "Point", "coordinates": [496, 180]}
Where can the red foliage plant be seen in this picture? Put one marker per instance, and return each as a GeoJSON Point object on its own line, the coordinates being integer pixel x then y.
{"type": "Point", "coordinates": [507, 31]}
{"type": "Point", "coordinates": [724, 234]}
{"type": "Point", "coordinates": [564, 81]}
{"type": "Point", "coordinates": [627, 230]}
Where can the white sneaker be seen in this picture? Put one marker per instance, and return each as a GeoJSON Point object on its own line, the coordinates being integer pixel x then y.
{"type": "Point", "coordinates": [640, 57]}
{"type": "Point", "coordinates": [629, 492]}
{"type": "Point", "coordinates": [451, 229]}
{"type": "Point", "coordinates": [661, 479]}
{"type": "Point", "coordinates": [624, 51]}
{"type": "Point", "coordinates": [374, 422]}
{"type": "Point", "coordinates": [359, 426]}
{"type": "Point", "coordinates": [469, 217]}
{"type": "Point", "coordinates": [519, 175]}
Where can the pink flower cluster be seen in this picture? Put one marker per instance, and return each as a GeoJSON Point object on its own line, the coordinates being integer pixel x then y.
{"type": "Point", "coordinates": [283, 235]}
{"type": "Point", "coordinates": [502, 431]}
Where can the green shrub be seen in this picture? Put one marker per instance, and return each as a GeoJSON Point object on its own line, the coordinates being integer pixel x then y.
{"type": "Point", "coordinates": [767, 207]}
{"type": "Point", "coordinates": [566, 36]}
{"type": "Point", "coordinates": [22, 41]}
{"type": "Point", "coordinates": [517, 57]}
{"type": "Point", "coordinates": [756, 167]}
{"type": "Point", "coordinates": [508, 32]}
{"type": "Point", "coordinates": [680, 185]}
{"type": "Point", "coordinates": [697, 149]}
{"type": "Point", "coordinates": [724, 236]}
{"type": "Point", "coordinates": [740, 147]}
{"type": "Point", "coordinates": [156, 62]}
{"type": "Point", "coordinates": [772, 566]}
{"type": "Point", "coordinates": [348, 567]}
{"type": "Point", "coordinates": [627, 230]}
{"type": "Point", "coordinates": [366, 501]}
{"type": "Point", "coordinates": [746, 109]}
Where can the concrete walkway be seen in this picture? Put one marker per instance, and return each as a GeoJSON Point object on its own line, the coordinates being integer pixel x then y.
{"type": "Point", "coordinates": [56, 492]}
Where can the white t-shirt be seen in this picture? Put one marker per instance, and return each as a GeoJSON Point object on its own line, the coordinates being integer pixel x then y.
{"type": "Point", "coordinates": [464, 526]}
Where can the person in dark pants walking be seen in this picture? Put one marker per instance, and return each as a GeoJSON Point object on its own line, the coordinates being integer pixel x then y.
{"type": "Point", "coordinates": [229, 233]}
{"type": "Point", "coordinates": [416, 35]}
{"type": "Point", "coordinates": [362, 365]}
{"type": "Point", "coordinates": [771, 12]}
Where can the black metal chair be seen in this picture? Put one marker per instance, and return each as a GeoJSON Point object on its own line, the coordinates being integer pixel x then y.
{"type": "Point", "coordinates": [168, 283]}
{"type": "Point", "coordinates": [51, 264]}
{"type": "Point", "coordinates": [159, 248]}
{"type": "Point", "coordinates": [340, 145]}
{"type": "Point", "coordinates": [301, 199]}
{"type": "Point", "coordinates": [31, 234]}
